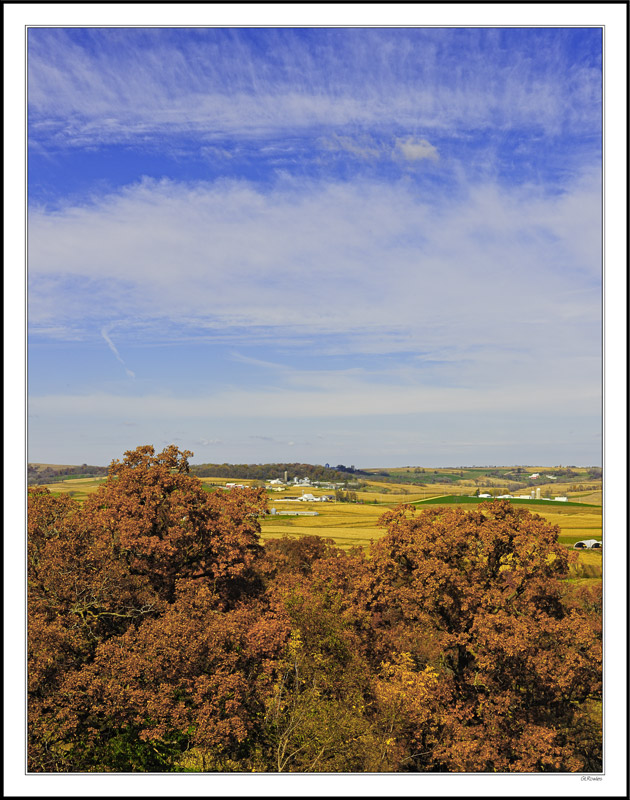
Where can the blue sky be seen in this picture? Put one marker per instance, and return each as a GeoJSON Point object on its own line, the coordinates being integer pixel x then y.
{"type": "Point", "coordinates": [370, 246]}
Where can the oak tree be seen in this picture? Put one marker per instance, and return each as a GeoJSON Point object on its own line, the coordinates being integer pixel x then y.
{"type": "Point", "coordinates": [148, 571]}
{"type": "Point", "coordinates": [518, 665]}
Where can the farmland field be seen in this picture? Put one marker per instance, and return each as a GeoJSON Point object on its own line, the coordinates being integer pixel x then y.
{"type": "Point", "coordinates": [79, 488]}
{"type": "Point", "coordinates": [355, 524]}
{"type": "Point", "coordinates": [348, 524]}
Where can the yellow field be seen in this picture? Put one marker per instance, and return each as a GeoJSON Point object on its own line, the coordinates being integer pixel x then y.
{"type": "Point", "coordinates": [348, 524]}
{"type": "Point", "coordinates": [223, 481]}
{"type": "Point", "coordinates": [575, 522]}
{"type": "Point", "coordinates": [596, 498]}
{"type": "Point", "coordinates": [79, 488]}
{"type": "Point", "coordinates": [395, 493]}
{"type": "Point", "coordinates": [39, 465]}
{"type": "Point", "coordinates": [588, 568]}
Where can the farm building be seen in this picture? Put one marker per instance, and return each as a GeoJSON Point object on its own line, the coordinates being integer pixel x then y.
{"type": "Point", "coordinates": [283, 513]}
{"type": "Point", "coordinates": [588, 544]}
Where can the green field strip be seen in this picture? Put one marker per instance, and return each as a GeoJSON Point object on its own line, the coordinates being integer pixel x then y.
{"type": "Point", "coordinates": [452, 499]}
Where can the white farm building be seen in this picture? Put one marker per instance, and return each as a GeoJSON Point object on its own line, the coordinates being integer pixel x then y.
{"type": "Point", "coordinates": [588, 544]}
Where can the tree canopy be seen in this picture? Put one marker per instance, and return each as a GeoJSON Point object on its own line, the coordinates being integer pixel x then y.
{"type": "Point", "coordinates": [164, 636]}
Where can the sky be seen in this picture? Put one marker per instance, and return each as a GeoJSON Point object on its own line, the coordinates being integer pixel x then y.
{"type": "Point", "coordinates": [366, 246]}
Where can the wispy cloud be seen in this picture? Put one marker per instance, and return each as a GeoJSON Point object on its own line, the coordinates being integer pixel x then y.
{"type": "Point", "coordinates": [256, 362]}
{"type": "Point", "coordinates": [392, 223]}
{"type": "Point", "coordinates": [360, 398]}
{"type": "Point", "coordinates": [370, 261]}
{"type": "Point", "coordinates": [93, 86]}
{"type": "Point", "coordinates": [364, 147]}
{"type": "Point", "coordinates": [369, 148]}
{"type": "Point", "coordinates": [105, 334]}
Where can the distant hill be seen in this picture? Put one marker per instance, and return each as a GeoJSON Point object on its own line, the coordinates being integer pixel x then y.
{"type": "Point", "coordinates": [51, 473]}
{"type": "Point", "coordinates": [514, 477]}
{"type": "Point", "coordinates": [263, 472]}
{"type": "Point", "coordinates": [509, 477]}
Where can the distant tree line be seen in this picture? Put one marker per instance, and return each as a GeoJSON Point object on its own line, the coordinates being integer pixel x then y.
{"type": "Point", "coordinates": [419, 477]}
{"type": "Point", "coordinates": [345, 497]}
{"type": "Point", "coordinates": [314, 472]}
{"type": "Point", "coordinates": [416, 476]}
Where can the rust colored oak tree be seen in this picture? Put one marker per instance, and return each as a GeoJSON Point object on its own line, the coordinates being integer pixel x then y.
{"type": "Point", "coordinates": [147, 631]}
{"type": "Point", "coordinates": [163, 636]}
{"type": "Point", "coordinates": [315, 719]}
{"type": "Point", "coordinates": [337, 705]}
{"type": "Point", "coordinates": [519, 666]}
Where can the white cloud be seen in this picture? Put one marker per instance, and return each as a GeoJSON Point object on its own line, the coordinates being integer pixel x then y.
{"type": "Point", "coordinates": [414, 149]}
{"type": "Point", "coordinates": [370, 262]}
{"type": "Point", "coordinates": [488, 289]}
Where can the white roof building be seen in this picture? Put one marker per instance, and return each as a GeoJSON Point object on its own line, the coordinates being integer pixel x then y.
{"type": "Point", "coordinates": [588, 544]}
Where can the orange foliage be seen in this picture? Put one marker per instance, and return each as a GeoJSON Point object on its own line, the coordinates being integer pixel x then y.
{"type": "Point", "coordinates": [163, 636]}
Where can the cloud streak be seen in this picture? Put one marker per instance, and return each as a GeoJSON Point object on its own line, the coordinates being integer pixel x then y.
{"type": "Point", "coordinates": [114, 349]}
